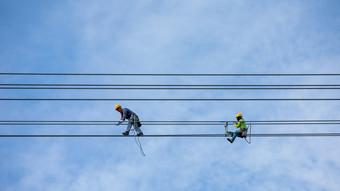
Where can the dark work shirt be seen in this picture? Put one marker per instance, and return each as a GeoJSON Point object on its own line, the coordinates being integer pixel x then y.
{"type": "Point", "coordinates": [126, 113]}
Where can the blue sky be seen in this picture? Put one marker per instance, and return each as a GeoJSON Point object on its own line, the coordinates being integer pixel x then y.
{"type": "Point", "coordinates": [169, 37]}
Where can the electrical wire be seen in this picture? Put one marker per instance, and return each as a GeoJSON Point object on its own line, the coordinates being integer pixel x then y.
{"type": "Point", "coordinates": [189, 85]}
{"type": "Point", "coordinates": [181, 135]}
{"type": "Point", "coordinates": [107, 74]}
{"type": "Point", "coordinates": [167, 87]}
{"type": "Point", "coordinates": [96, 88]}
{"type": "Point", "coordinates": [306, 120]}
{"type": "Point", "coordinates": [160, 124]}
{"type": "Point", "coordinates": [174, 99]}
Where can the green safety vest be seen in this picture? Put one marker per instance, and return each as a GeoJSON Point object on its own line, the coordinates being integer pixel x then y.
{"type": "Point", "coordinates": [241, 124]}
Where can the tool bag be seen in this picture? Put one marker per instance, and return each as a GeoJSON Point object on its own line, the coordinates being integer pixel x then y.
{"type": "Point", "coordinates": [244, 132]}
{"type": "Point", "coordinates": [135, 119]}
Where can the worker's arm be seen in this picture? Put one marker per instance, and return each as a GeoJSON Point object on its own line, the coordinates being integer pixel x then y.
{"type": "Point", "coordinates": [119, 122]}
{"type": "Point", "coordinates": [124, 113]}
{"type": "Point", "coordinates": [237, 125]}
{"type": "Point", "coordinates": [241, 124]}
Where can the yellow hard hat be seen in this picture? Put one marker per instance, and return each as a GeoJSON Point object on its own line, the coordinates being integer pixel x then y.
{"type": "Point", "coordinates": [117, 106]}
{"type": "Point", "coordinates": [239, 115]}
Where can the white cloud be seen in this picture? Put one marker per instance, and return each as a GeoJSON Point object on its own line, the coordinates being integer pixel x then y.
{"type": "Point", "coordinates": [180, 37]}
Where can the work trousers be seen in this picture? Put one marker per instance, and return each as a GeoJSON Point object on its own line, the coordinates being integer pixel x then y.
{"type": "Point", "coordinates": [237, 133]}
{"type": "Point", "coordinates": [133, 121]}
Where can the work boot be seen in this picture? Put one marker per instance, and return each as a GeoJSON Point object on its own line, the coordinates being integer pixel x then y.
{"type": "Point", "coordinates": [126, 133]}
{"type": "Point", "coordinates": [140, 134]}
{"type": "Point", "coordinates": [231, 141]}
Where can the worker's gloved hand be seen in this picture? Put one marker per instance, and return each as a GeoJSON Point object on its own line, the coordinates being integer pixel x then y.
{"type": "Point", "coordinates": [118, 123]}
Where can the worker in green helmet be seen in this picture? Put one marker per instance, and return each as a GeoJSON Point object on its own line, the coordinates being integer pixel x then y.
{"type": "Point", "coordinates": [241, 129]}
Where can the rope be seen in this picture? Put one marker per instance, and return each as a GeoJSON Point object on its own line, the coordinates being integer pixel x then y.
{"type": "Point", "coordinates": [139, 144]}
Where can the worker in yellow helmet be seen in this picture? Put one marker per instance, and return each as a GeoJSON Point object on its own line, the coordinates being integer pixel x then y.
{"type": "Point", "coordinates": [241, 125]}
{"type": "Point", "coordinates": [133, 120]}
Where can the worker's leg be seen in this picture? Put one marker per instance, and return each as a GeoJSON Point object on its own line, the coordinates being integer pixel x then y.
{"type": "Point", "coordinates": [129, 125]}
{"type": "Point", "coordinates": [135, 124]}
{"type": "Point", "coordinates": [237, 133]}
{"type": "Point", "coordinates": [137, 129]}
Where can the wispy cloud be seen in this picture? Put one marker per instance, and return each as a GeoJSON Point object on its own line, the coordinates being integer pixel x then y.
{"type": "Point", "coordinates": [173, 37]}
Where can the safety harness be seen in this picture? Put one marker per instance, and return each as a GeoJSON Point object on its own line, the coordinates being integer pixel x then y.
{"type": "Point", "coordinates": [244, 132]}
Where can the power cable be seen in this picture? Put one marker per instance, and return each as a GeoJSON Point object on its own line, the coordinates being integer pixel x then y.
{"type": "Point", "coordinates": [307, 120]}
{"type": "Point", "coordinates": [100, 88]}
{"type": "Point", "coordinates": [179, 99]}
{"type": "Point", "coordinates": [163, 124]}
{"type": "Point", "coordinates": [180, 85]}
{"type": "Point", "coordinates": [167, 87]}
{"type": "Point", "coordinates": [182, 135]}
{"type": "Point", "coordinates": [107, 74]}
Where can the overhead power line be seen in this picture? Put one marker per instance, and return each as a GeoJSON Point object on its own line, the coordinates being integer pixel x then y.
{"type": "Point", "coordinates": [163, 123]}
{"type": "Point", "coordinates": [175, 99]}
{"type": "Point", "coordinates": [150, 74]}
{"type": "Point", "coordinates": [178, 135]}
{"type": "Point", "coordinates": [258, 121]}
{"type": "Point", "coordinates": [146, 88]}
{"type": "Point", "coordinates": [181, 85]}
{"type": "Point", "coordinates": [169, 87]}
